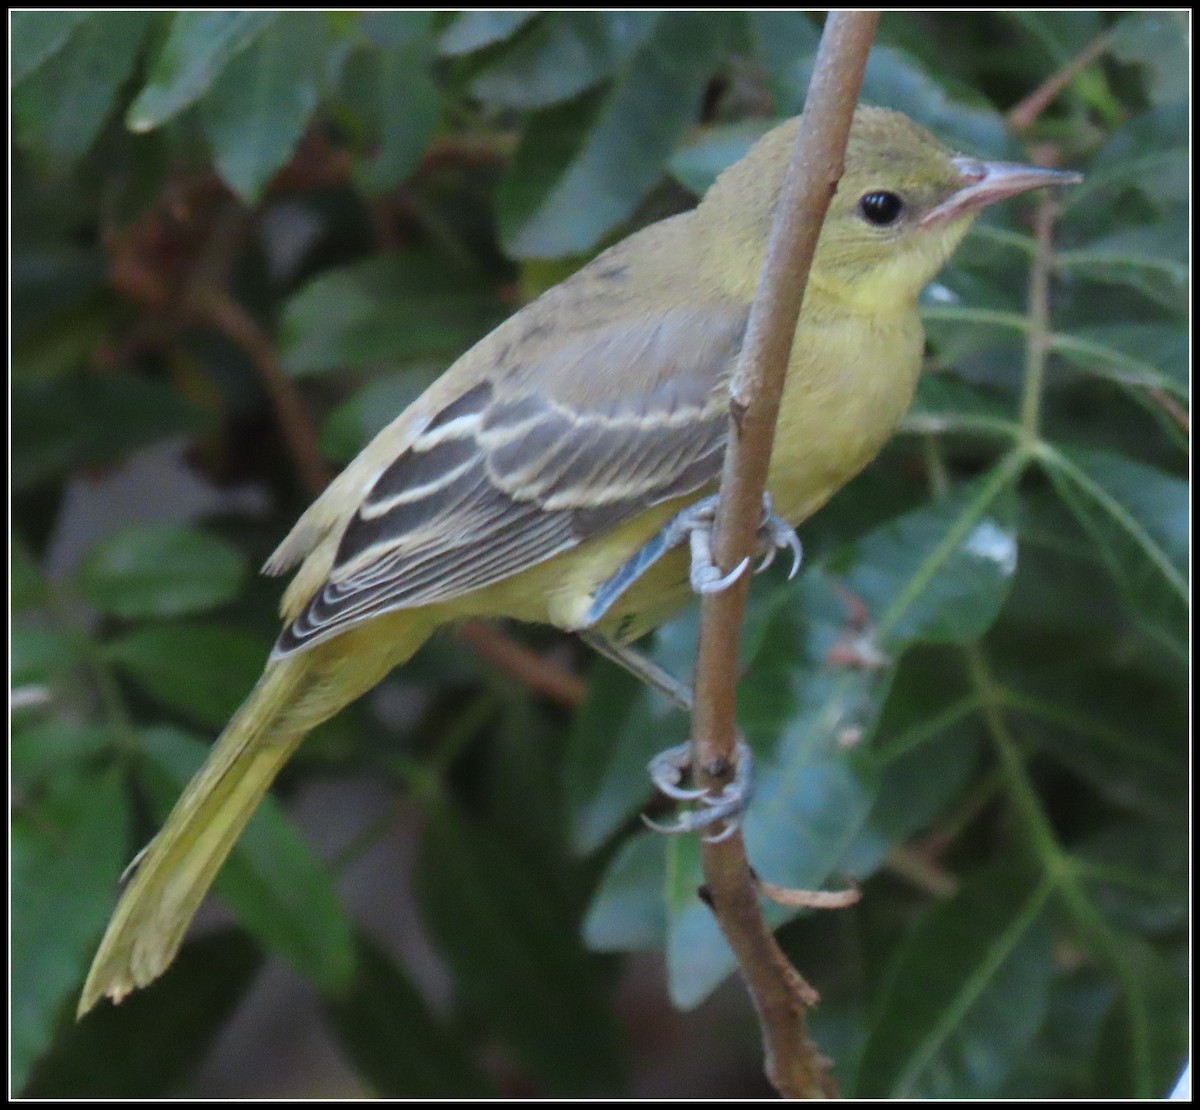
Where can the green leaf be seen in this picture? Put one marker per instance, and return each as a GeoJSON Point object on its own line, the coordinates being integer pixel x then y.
{"type": "Point", "coordinates": [926, 745]}
{"type": "Point", "coordinates": [54, 282]}
{"type": "Point", "coordinates": [965, 996]}
{"type": "Point", "coordinates": [394, 307]}
{"type": "Point", "coordinates": [1148, 154]}
{"type": "Point", "coordinates": [406, 107]}
{"type": "Point", "coordinates": [198, 47]}
{"type": "Point", "coordinates": [1060, 1062]}
{"type": "Point", "coordinates": [582, 167]}
{"type": "Point", "coordinates": [49, 748]}
{"type": "Point", "coordinates": [26, 586]}
{"type": "Point", "coordinates": [281, 893]}
{"type": "Point", "coordinates": [615, 733]}
{"type": "Point", "coordinates": [206, 670]}
{"type": "Point", "coordinates": [628, 913]}
{"type": "Point", "coordinates": [1158, 42]}
{"type": "Point", "coordinates": [386, 1028]}
{"type": "Point", "coordinates": [947, 404]}
{"type": "Point", "coordinates": [151, 1044]}
{"type": "Point", "coordinates": [62, 107]}
{"type": "Point", "coordinates": [79, 421]}
{"type": "Point", "coordinates": [1151, 258]}
{"type": "Point", "coordinates": [563, 54]}
{"type": "Point", "coordinates": [1118, 732]}
{"type": "Point", "coordinates": [161, 570]}
{"type": "Point", "coordinates": [1138, 518]}
{"type": "Point", "coordinates": [941, 573]}
{"type": "Point", "coordinates": [474, 30]}
{"type": "Point", "coordinates": [697, 165]}
{"type": "Point", "coordinates": [39, 655]}
{"type": "Point", "coordinates": [786, 42]}
{"type": "Point", "coordinates": [259, 106]}
{"type": "Point", "coordinates": [1147, 356]}
{"type": "Point", "coordinates": [67, 853]}
{"type": "Point", "coordinates": [1143, 1044]}
{"type": "Point", "coordinates": [1137, 873]}
{"type": "Point", "coordinates": [1060, 35]}
{"type": "Point", "coordinates": [396, 28]}
{"type": "Point", "coordinates": [515, 952]}
{"type": "Point", "coordinates": [37, 36]}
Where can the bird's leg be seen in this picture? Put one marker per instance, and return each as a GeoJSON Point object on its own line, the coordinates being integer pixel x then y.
{"type": "Point", "coordinates": [668, 768]}
{"type": "Point", "coordinates": [695, 524]}
{"type": "Point", "coordinates": [639, 666]}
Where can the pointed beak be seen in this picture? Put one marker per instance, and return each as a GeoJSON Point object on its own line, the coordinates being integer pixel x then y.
{"type": "Point", "coordinates": [987, 182]}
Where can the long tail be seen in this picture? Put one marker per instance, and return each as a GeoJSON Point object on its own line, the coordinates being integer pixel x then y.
{"type": "Point", "coordinates": [175, 870]}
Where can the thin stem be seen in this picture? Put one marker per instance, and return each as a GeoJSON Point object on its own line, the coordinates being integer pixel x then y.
{"type": "Point", "coordinates": [1026, 113]}
{"type": "Point", "coordinates": [780, 994]}
{"type": "Point", "coordinates": [539, 674]}
{"type": "Point", "coordinates": [1037, 340]}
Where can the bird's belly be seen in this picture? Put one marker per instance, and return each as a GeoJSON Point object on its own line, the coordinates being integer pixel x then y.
{"type": "Point", "coordinates": [838, 411]}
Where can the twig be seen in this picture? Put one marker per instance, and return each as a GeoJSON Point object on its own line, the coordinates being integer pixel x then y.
{"type": "Point", "coordinates": [219, 309]}
{"type": "Point", "coordinates": [917, 869]}
{"type": "Point", "coordinates": [780, 994]}
{"type": "Point", "coordinates": [809, 899]}
{"type": "Point", "coordinates": [540, 674]}
{"type": "Point", "coordinates": [1024, 114]}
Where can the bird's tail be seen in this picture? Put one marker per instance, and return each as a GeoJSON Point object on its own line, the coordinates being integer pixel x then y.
{"type": "Point", "coordinates": [175, 870]}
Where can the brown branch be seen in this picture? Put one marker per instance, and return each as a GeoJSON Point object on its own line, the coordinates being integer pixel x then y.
{"type": "Point", "coordinates": [780, 994]}
{"type": "Point", "coordinates": [217, 308]}
{"type": "Point", "coordinates": [1023, 115]}
{"type": "Point", "coordinates": [540, 674]}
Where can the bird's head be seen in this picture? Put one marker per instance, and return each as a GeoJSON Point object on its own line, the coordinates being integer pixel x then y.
{"type": "Point", "coordinates": [903, 204]}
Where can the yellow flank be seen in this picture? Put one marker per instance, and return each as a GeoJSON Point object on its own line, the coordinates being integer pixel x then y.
{"type": "Point", "coordinates": [561, 443]}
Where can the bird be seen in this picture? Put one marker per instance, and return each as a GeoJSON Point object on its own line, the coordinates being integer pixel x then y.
{"type": "Point", "coordinates": [563, 470]}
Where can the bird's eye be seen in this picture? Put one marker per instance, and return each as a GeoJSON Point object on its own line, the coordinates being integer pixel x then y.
{"type": "Point", "coordinates": [880, 208]}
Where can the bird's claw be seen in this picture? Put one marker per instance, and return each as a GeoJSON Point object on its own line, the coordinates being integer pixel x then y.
{"type": "Point", "coordinates": [667, 770]}
{"type": "Point", "coordinates": [694, 525]}
{"type": "Point", "coordinates": [774, 535]}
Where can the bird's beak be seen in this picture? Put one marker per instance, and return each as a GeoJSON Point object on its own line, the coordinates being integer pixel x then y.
{"type": "Point", "coordinates": [987, 182]}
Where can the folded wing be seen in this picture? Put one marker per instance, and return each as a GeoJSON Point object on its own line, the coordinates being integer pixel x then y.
{"type": "Point", "coordinates": [523, 466]}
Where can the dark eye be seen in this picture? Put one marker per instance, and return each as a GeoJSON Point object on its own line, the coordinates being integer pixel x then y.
{"type": "Point", "coordinates": [881, 208]}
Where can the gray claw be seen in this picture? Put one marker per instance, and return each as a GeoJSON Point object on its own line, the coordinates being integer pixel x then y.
{"type": "Point", "coordinates": [666, 769]}
{"type": "Point", "coordinates": [775, 534]}
{"type": "Point", "coordinates": [731, 826]}
{"type": "Point", "coordinates": [704, 583]}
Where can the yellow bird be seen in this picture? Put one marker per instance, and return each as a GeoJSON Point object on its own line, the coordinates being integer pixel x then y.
{"type": "Point", "coordinates": [561, 469]}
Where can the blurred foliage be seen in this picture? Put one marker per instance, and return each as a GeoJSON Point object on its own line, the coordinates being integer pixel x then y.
{"type": "Point", "coordinates": [367, 194]}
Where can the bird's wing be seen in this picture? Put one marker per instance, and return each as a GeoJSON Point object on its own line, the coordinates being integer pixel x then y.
{"type": "Point", "coordinates": [523, 466]}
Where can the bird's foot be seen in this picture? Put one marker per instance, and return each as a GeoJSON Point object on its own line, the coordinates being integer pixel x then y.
{"type": "Point", "coordinates": [695, 526]}
{"type": "Point", "coordinates": [774, 535]}
{"type": "Point", "coordinates": [667, 770]}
